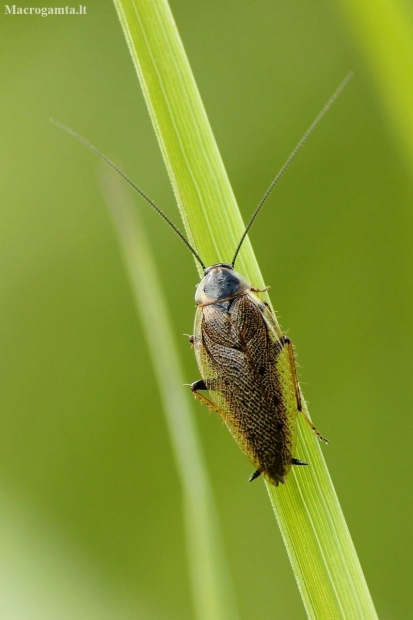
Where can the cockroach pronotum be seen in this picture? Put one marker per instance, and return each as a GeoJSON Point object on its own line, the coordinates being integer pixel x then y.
{"type": "Point", "coordinates": [246, 363]}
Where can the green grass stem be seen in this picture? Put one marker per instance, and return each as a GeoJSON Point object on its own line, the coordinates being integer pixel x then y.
{"type": "Point", "coordinates": [325, 563]}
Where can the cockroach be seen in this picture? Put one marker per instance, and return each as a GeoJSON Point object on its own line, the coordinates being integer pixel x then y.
{"type": "Point", "coordinates": [247, 365]}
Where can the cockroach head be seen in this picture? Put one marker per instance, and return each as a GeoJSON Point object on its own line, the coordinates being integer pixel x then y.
{"type": "Point", "coordinates": [220, 283]}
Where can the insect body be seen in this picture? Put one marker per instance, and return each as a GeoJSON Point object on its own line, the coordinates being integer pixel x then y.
{"type": "Point", "coordinates": [246, 363]}
{"type": "Point", "coordinates": [247, 366]}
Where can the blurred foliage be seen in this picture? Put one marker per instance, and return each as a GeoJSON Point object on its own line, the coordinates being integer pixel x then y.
{"type": "Point", "coordinates": [84, 449]}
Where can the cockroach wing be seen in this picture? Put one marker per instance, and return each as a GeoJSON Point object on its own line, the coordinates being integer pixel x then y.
{"type": "Point", "coordinates": [246, 368]}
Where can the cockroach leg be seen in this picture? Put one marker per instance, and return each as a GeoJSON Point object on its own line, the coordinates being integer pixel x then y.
{"type": "Point", "coordinates": [204, 399]}
{"type": "Point", "coordinates": [190, 338]}
{"type": "Point", "coordinates": [254, 475]}
{"type": "Point", "coordinates": [260, 290]}
{"type": "Point", "coordinates": [287, 343]}
{"type": "Point", "coordinates": [198, 385]}
{"type": "Point", "coordinates": [313, 428]}
{"type": "Point", "coordinates": [298, 462]}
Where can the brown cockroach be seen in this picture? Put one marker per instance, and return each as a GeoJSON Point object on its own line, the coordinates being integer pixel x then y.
{"type": "Point", "coordinates": [248, 368]}
{"type": "Point", "coordinates": [246, 363]}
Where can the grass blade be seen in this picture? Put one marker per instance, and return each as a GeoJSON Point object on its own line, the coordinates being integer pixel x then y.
{"type": "Point", "coordinates": [318, 542]}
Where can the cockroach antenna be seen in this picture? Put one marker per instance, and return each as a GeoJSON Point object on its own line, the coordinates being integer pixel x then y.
{"type": "Point", "coordinates": [123, 175]}
{"type": "Point", "coordinates": [289, 159]}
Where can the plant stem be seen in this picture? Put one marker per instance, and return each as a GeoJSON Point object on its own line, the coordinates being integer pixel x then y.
{"type": "Point", "coordinates": [318, 542]}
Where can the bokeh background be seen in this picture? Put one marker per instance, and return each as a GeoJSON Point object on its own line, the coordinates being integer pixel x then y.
{"type": "Point", "coordinates": [91, 523]}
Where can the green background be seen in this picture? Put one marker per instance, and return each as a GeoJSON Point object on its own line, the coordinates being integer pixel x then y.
{"type": "Point", "coordinates": [90, 504]}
